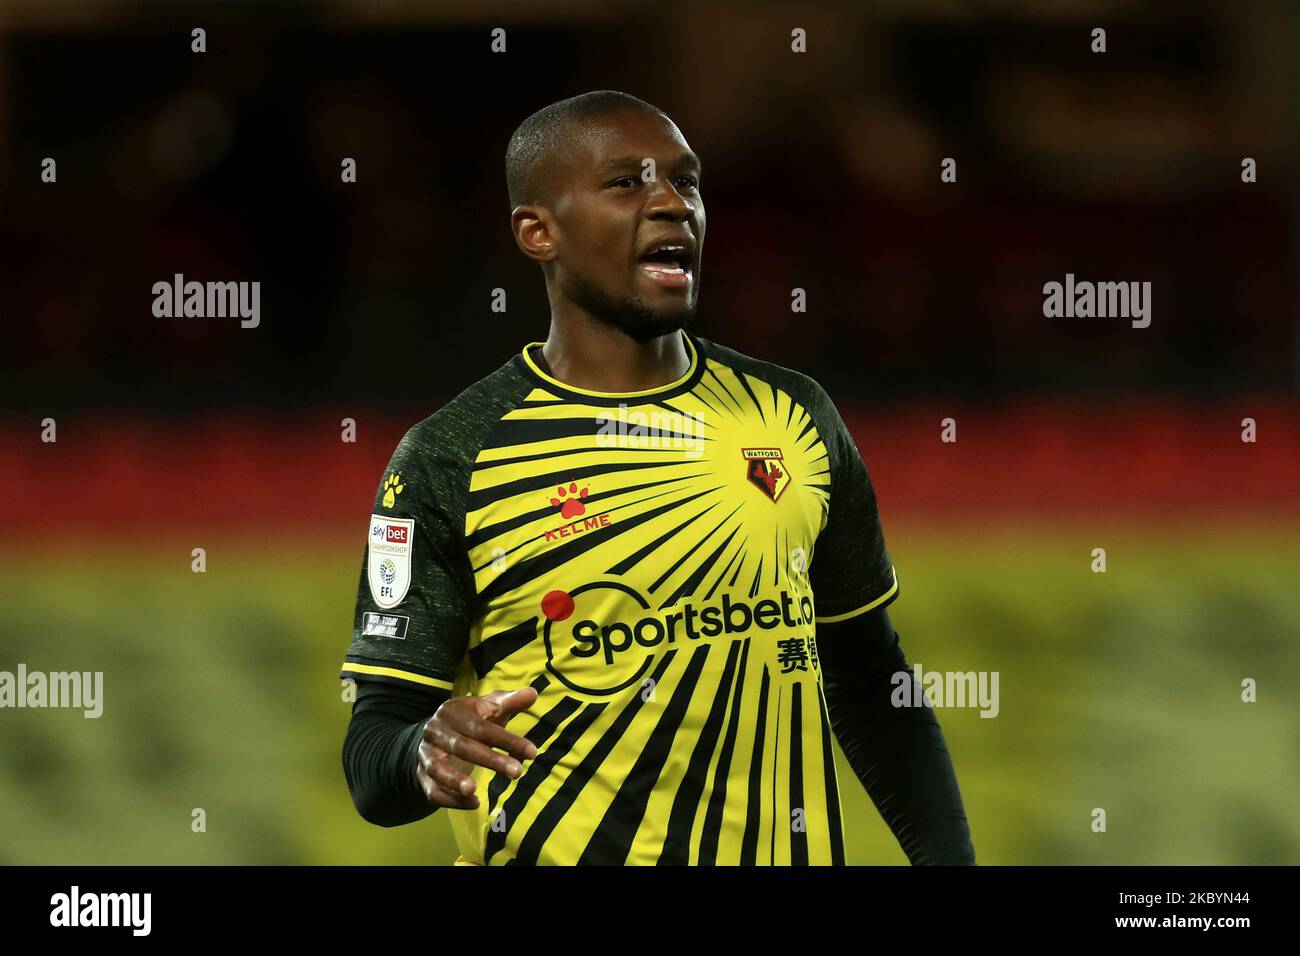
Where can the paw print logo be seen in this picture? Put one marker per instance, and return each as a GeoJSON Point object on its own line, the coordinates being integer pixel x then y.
{"type": "Point", "coordinates": [570, 506]}
{"type": "Point", "coordinates": [392, 488]}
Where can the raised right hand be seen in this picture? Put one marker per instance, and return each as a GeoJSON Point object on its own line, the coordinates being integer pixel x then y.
{"type": "Point", "coordinates": [461, 735]}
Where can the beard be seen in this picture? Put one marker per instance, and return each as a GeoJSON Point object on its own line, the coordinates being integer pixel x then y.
{"type": "Point", "coordinates": [631, 315]}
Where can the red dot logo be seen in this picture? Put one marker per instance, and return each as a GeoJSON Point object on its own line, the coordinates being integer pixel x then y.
{"type": "Point", "coordinates": [557, 605]}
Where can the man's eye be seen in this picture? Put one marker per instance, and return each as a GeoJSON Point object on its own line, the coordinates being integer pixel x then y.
{"type": "Point", "coordinates": [690, 181]}
{"type": "Point", "coordinates": [626, 180]}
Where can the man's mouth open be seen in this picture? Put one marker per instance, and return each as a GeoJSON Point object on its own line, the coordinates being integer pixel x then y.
{"type": "Point", "coordinates": [669, 268]}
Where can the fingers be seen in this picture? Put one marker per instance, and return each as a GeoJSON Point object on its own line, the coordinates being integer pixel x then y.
{"type": "Point", "coordinates": [461, 744]}
{"type": "Point", "coordinates": [479, 720]}
{"type": "Point", "coordinates": [488, 732]}
{"type": "Point", "coordinates": [498, 707]}
{"type": "Point", "coordinates": [442, 782]}
{"type": "Point", "coordinates": [467, 732]}
{"type": "Point", "coordinates": [510, 702]}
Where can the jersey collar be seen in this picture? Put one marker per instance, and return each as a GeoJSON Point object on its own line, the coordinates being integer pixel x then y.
{"type": "Point", "coordinates": [590, 396]}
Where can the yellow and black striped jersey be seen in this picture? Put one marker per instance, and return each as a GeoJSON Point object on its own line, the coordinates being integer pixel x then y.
{"type": "Point", "coordinates": [654, 563]}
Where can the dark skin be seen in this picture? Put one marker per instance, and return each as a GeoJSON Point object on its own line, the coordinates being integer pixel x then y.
{"type": "Point", "coordinates": [461, 735]}
{"type": "Point", "coordinates": [615, 324]}
{"type": "Point", "coordinates": [613, 328]}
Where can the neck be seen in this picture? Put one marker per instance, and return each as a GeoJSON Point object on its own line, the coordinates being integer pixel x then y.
{"type": "Point", "coordinates": [602, 358]}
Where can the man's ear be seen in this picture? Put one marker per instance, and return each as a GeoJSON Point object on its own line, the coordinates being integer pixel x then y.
{"type": "Point", "coordinates": [535, 232]}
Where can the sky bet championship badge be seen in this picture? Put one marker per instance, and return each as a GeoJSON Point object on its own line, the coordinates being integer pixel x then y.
{"type": "Point", "coordinates": [390, 558]}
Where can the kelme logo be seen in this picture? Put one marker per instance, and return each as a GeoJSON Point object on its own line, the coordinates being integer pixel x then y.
{"type": "Point", "coordinates": [571, 502]}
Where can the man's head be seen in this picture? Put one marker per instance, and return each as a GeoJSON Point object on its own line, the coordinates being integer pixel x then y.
{"type": "Point", "coordinates": [604, 193]}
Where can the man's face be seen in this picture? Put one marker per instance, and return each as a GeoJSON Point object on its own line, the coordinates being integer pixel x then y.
{"type": "Point", "coordinates": [627, 249]}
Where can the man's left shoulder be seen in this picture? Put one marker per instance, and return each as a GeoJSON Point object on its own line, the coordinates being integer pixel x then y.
{"type": "Point", "coordinates": [803, 388]}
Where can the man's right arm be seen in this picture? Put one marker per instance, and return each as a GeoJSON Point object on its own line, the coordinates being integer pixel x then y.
{"type": "Point", "coordinates": [412, 619]}
{"type": "Point", "coordinates": [381, 751]}
{"type": "Point", "coordinates": [411, 746]}
{"type": "Point", "coordinates": [409, 750]}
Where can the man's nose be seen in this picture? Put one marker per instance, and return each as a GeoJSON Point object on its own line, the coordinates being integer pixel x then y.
{"type": "Point", "coordinates": [665, 202]}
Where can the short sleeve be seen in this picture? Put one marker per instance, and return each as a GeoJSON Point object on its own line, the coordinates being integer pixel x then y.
{"type": "Point", "coordinates": [851, 572]}
{"type": "Point", "coordinates": [415, 598]}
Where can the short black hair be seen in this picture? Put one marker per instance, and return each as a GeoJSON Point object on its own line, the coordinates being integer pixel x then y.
{"type": "Point", "coordinates": [537, 138]}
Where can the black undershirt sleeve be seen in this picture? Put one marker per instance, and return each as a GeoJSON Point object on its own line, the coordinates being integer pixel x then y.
{"type": "Point", "coordinates": [898, 753]}
{"type": "Point", "coordinates": [380, 751]}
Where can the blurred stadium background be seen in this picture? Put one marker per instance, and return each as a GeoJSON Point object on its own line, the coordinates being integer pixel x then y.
{"type": "Point", "coordinates": [1118, 690]}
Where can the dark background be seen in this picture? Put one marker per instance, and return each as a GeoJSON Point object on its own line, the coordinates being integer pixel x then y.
{"type": "Point", "coordinates": [821, 172]}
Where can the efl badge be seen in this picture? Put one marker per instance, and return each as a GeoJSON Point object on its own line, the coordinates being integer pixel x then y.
{"type": "Point", "coordinates": [764, 467]}
{"type": "Point", "coordinates": [390, 558]}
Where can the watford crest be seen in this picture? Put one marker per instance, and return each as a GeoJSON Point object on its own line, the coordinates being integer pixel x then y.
{"type": "Point", "coordinates": [765, 469]}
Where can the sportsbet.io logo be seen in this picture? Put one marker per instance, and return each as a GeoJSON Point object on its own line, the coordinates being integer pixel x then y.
{"type": "Point", "coordinates": [597, 642]}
